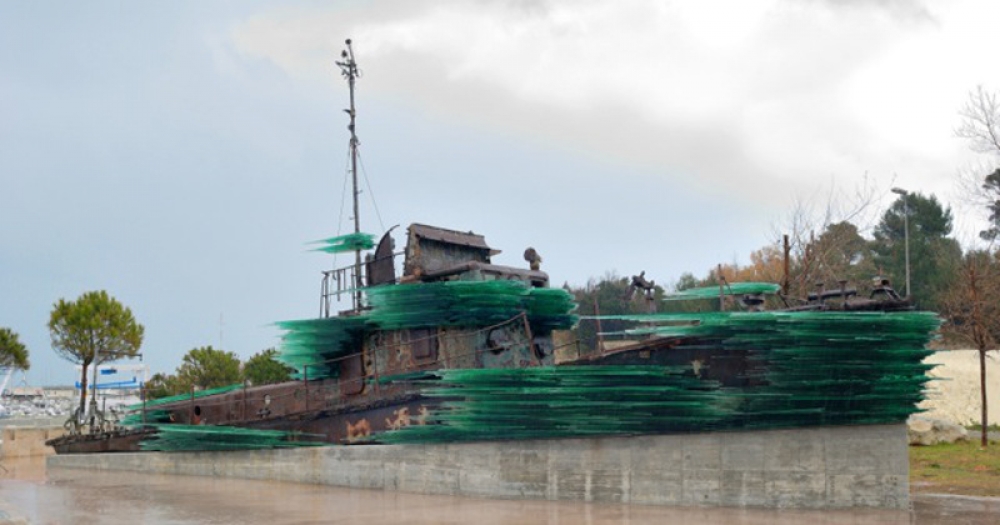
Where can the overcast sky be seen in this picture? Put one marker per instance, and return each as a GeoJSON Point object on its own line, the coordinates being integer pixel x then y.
{"type": "Point", "coordinates": [180, 155]}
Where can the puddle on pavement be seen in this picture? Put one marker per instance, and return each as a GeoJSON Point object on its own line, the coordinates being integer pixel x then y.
{"type": "Point", "coordinates": [73, 496]}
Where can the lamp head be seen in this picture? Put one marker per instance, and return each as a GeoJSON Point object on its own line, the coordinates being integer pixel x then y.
{"type": "Point", "coordinates": [900, 191]}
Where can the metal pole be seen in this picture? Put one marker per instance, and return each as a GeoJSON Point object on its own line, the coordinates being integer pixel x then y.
{"type": "Point", "coordinates": [349, 68]}
{"type": "Point", "coordinates": [597, 317]}
{"type": "Point", "coordinates": [722, 290]}
{"type": "Point", "coordinates": [906, 238]}
{"type": "Point", "coordinates": [785, 280]}
{"type": "Point", "coordinates": [906, 231]}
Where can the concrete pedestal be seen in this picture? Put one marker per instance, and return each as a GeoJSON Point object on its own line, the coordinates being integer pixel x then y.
{"type": "Point", "coordinates": [830, 467]}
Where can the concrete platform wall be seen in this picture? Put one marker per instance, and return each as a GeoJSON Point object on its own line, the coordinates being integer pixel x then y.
{"type": "Point", "coordinates": [28, 441]}
{"type": "Point", "coordinates": [834, 467]}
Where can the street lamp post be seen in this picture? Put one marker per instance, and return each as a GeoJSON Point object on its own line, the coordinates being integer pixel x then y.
{"type": "Point", "coordinates": [906, 231]}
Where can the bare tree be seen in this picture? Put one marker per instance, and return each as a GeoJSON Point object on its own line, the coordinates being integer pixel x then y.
{"type": "Point", "coordinates": [979, 185]}
{"type": "Point", "coordinates": [972, 314]}
{"type": "Point", "coordinates": [981, 121]}
{"type": "Point", "coordinates": [815, 228]}
{"type": "Point", "coordinates": [972, 311]}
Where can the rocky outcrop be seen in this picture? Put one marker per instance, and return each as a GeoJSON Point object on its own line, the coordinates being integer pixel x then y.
{"type": "Point", "coordinates": [928, 431]}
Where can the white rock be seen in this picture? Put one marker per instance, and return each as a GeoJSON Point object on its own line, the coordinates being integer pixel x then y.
{"type": "Point", "coordinates": [927, 431]}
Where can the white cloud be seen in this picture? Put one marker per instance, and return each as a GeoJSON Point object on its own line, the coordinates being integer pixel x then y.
{"type": "Point", "coordinates": [764, 97]}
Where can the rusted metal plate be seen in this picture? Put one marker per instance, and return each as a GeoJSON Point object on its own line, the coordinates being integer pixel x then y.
{"type": "Point", "coordinates": [352, 380]}
{"type": "Point", "coordinates": [424, 344]}
{"type": "Point", "coordinates": [433, 233]}
{"type": "Point", "coordinates": [381, 269]}
{"type": "Point", "coordinates": [430, 249]}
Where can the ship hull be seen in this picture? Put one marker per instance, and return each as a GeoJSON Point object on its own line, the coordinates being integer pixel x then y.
{"type": "Point", "coordinates": [305, 408]}
{"type": "Point", "coordinates": [733, 373]}
{"type": "Point", "coordinates": [122, 440]}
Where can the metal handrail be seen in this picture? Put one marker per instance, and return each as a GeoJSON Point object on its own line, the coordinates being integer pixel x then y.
{"type": "Point", "coordinates": [340, 281]}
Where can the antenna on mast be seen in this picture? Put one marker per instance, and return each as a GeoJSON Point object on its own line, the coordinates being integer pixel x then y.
{"type": "Point", "coordinates": [349, 68]}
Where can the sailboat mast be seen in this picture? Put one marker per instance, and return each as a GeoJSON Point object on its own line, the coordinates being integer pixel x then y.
{"type": "Point", "coordinates": [349, 68]}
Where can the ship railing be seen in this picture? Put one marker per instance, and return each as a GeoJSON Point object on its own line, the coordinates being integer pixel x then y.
{"type": "Point", "coordinates": [344, 281]}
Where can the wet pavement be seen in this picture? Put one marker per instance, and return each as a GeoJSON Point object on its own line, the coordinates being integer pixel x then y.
{"type": "Point", "coordinates": [30, 494]}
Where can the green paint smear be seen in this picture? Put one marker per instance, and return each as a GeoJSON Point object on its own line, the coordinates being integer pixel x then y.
{"type": "Point", "coordinates": [810, 369]}
{"type": "Point", "coordinates": [185, 397]}
{"type": "Point", "coordinates": [346, 243]}
{"type": "Point", "coordinates": [314, 346]}
{"type": "Point", "coordinates": [709, 292]}
{"type": "Point", "coordinates": [175, 438]}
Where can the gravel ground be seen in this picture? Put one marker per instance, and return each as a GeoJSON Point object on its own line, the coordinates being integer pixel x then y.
{"type": "Point", "coordinates": [954, 394]}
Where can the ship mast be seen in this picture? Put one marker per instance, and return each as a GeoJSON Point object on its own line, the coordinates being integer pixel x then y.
{"type": "Point", "coordinates": [349, 68]}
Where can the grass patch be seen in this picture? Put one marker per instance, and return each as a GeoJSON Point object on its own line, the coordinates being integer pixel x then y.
{"type": "Point", "coordinates": [956, 468]}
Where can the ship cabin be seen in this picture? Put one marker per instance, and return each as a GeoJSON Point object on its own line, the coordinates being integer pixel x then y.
{"type": "Point", "coordinates": [434, 255]}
